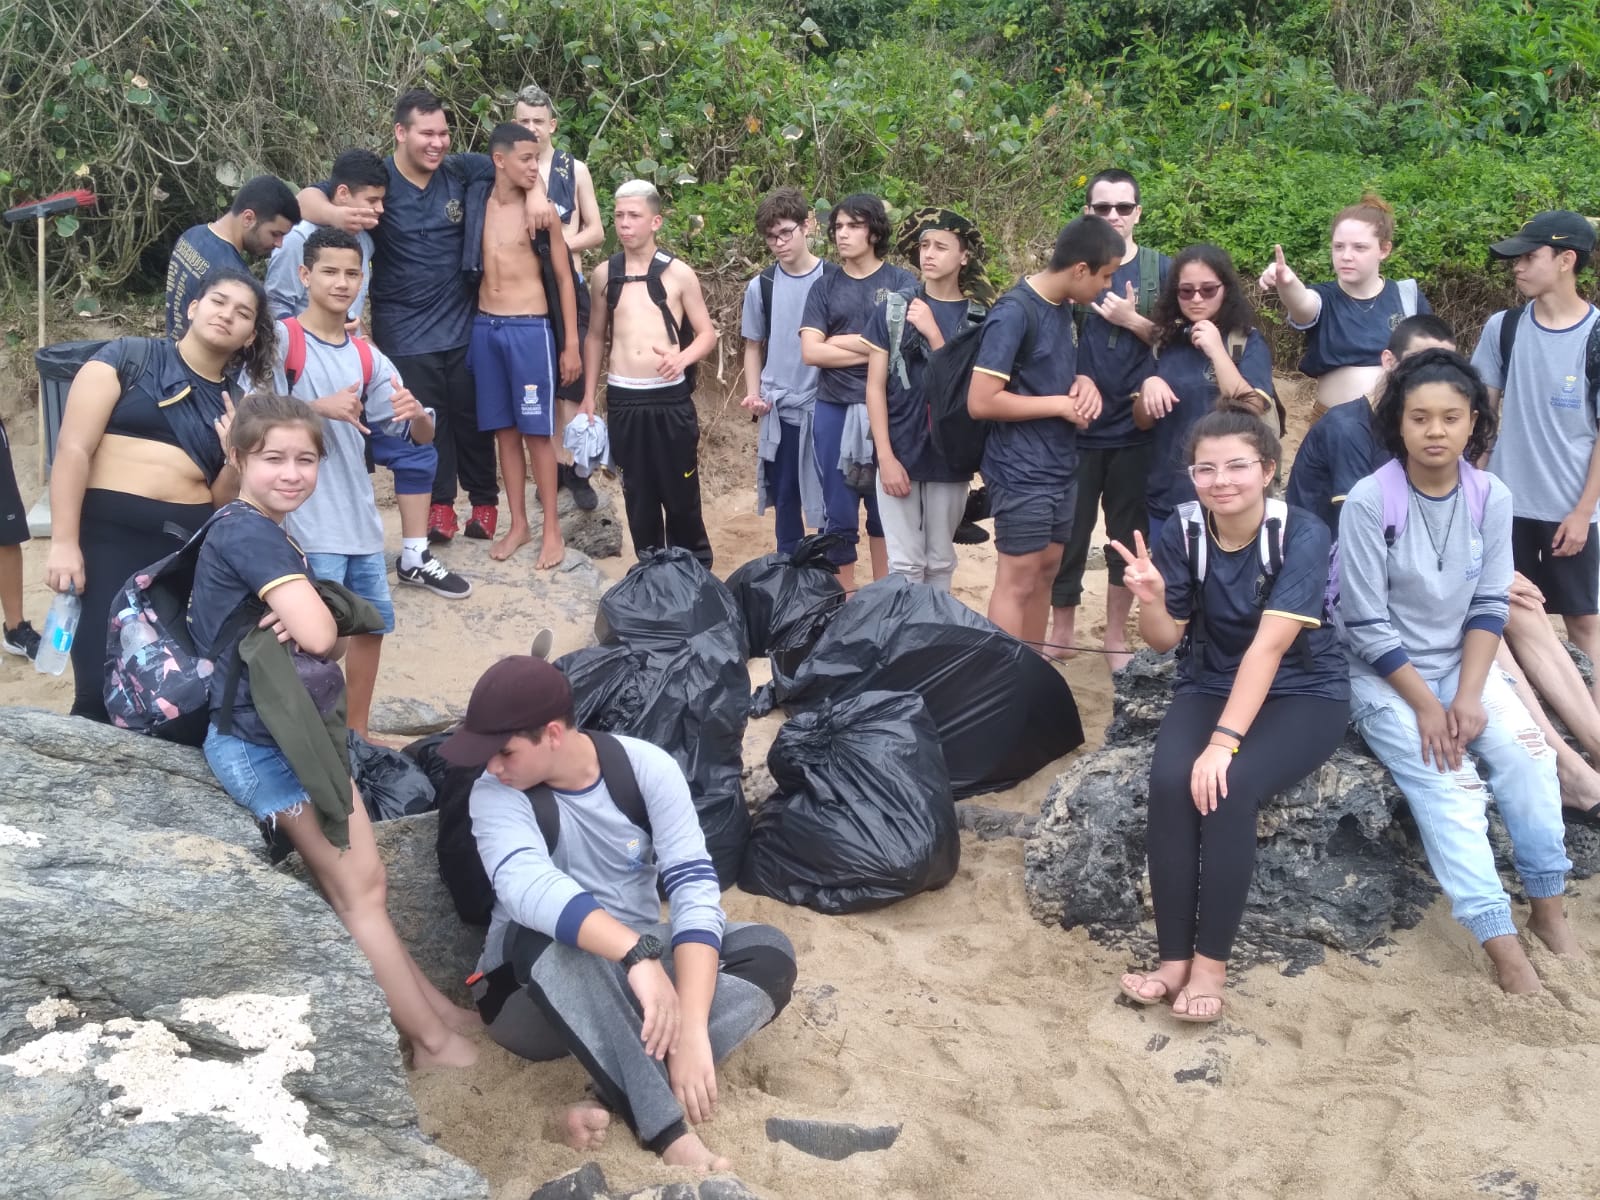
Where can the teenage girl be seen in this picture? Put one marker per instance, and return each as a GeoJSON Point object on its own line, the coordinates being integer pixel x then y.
{"type": "Point", "coordinates": [1262, 699]}
{"type": "Point", "coordinates": [140, 455]}
{"type": "Point", "coordinates": [1423, 607]}
{"type": "Point", "coordinates": [276, 446]}
{"type": "Point", "coordinates": [1208, 355]}
{"type": "Point", "coordinates": [1347, 323]}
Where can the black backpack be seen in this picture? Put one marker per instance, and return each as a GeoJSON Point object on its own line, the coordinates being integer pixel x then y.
{"type": "Point", "coordinates": [957, 435]}
{"type": "Point", "coordinates": [679, 334]}
{"type": "Point", "coordinates": [459, 865]}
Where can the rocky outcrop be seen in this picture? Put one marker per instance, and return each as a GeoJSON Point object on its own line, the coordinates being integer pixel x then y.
{"type": "Point", "coordinates": [176, 1018]}
{"type": "Point", "coordinates": [597, 534]}
{"type": "Point", "coordinates": [1338, 862]}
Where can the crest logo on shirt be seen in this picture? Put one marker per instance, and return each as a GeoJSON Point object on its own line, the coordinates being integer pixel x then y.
{"type": "Point", "coordinates": [1395, 319]}
{"type": "Point", "coordinates": [635, 855]}
{"type": "Point", "coordinates": [1569, 393]}
{"type": "Point", "coordinates": [880, 295]}
{"type": "Point", "coordinates": [452, 211]}
{"type": "Point", "coordinates": [1210, 373]}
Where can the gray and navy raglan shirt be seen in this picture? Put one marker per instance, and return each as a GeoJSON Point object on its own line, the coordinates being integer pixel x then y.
{"type": "Point", "coordinates": [602, 860]}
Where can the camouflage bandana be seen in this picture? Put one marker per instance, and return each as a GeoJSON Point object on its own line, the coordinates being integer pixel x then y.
{"type": "Point", "coordinates": [974, 283]}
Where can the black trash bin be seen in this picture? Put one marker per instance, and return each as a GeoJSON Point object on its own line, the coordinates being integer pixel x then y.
{"type": "Point", "coordinates": [58, 367]}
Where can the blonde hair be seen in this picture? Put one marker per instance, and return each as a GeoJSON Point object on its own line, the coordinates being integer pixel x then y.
{"type": "Point", "coordinates": [1372, 210]}
{"type": "Point", "coordinates": [641, 189]}
{"type": "Point", "coordinates": [259, 413]}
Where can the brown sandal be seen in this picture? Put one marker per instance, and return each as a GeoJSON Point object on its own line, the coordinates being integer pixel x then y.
{"type": "Point", "coordinates": [1132, 993]}
{"type": "Point", "coordinates": [1195, 1018]}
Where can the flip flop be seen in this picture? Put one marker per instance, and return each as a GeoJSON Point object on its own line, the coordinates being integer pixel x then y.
{"type": "Point", "coordinates": [1589, 818]}
{"type": "Point", "coordinates": [1210, 1018]}
{"type": "Point", "coordinates": [1132, 993]}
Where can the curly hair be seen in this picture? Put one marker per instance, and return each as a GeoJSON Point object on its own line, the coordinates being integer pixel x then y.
{"type": "Point", "coordinates": [258, 358]}
{"type": "Point", "coordinates": [1235, 315]}
{"type": "Point", "coordinates": [1435, 366]}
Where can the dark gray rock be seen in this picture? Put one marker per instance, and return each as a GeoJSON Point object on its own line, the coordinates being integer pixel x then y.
{"type": "Point", "coordinates": [401, 716]}
{"type": "Point", "coordinates": [992, 823]}
{"type": "Point", "coordinates": [725, 1188]}
{"type": "Point", "coordinates": [243, 1046]}
{"type": "Point", "coordinates": [597, 534]}
{"type": "Point", "coordinates": [832, 1140]}
{"type": "Point", "coordinates": [588, 1182]}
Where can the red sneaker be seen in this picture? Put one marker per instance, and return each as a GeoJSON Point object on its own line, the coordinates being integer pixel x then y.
{"type": "Point", "coordinates": [482, 522]}
{"type": "Point", "coordinates": [441, 523]}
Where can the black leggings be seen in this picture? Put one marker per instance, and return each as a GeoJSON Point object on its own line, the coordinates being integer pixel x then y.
{"type": "Point", "coordinates": [1200, 867]}
{"type": "Point", "coordinates": [119, 534]}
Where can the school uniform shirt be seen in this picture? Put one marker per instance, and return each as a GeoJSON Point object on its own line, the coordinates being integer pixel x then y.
{"type": "Point", "coordinates": [286, 295]}
{"type": "Point", "coordinates": [166, 393]}
{"type": "Point", "coordinates": [1118, 362]}
{"type": "Point", "coordinates": [1547, 428]}
{"type": "Point", "coordinates": [1397, 603]}
{"type": "Point", "coordinates": [1232, 612]}
{"type": "Point", "coordinates": [341, 514]}
{"type": "Point", "coordinates": [909, 433]}
{"type": "Point", "coordinates": [1350, 332]}
{"type": "Point", "coordinates": [196, 254]}
{"type": "Point", "coordinates": [1338, 450]}
{"type": "Point", "coordinates": [1040, 454]}
{"type": "Point", "coordinates": [787, 382]}
{"type": "Point", "coordinates": [839, 304]}
{"type": "Point", "coordinates": [1193, 379]}
{"type": "Point", "coordinates": [245, 555]}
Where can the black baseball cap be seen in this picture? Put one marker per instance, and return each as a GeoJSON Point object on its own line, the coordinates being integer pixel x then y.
{"type": "Point", "coordinates": [518, 694]}
{"type": "Point", "coordinates": [1560, 230]}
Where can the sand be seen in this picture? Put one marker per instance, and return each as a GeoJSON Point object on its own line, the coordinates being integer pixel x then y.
{"type": "Point", "coordinates": [1001, 1045]}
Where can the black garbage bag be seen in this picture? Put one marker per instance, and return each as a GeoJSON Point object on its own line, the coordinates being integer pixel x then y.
{"type": "Point", "coordinates": [391, 784]}
{"type": "Point", "coordinates": [609, 686]}
{"type": "Point", "coordinates": [785, 595]}
{"type": "Point", "coordinates": [863, 814]}
{"type": "Point", "coordinates": [665, 598]}
{"type": "Point", "coordinates": [1002, 711]}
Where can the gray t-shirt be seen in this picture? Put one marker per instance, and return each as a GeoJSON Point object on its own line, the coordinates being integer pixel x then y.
{"type": "Point", "coordinates": [786, 381]}
{"type": "Point", "coordinates": [286, 296]}
{"type": "Point", "coordinates": [1547, 429]}
{"type": "Point", "coordinates": [341, 514]}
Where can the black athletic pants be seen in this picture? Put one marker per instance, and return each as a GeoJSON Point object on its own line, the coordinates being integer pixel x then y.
{"type": "Point", "coordinates": [440, 381]}
{"type": "Point", "coordinates": [1200, 867]}
{"type": "Point", "coordinates": [1115, 480]}
{"type": "Point", "coordinates": [655, 440]}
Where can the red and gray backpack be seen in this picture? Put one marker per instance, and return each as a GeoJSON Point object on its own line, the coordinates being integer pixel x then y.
{"type": "Point", "coordinates": [294, 361]}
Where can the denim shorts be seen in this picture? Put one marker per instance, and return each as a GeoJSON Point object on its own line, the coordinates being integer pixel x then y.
{"type": "Point", "coordinates": [259, 778]}
{"type": "Point", "coordinates": [367, 575]}
{"type": "Point", "coordinates": [1027, 520]}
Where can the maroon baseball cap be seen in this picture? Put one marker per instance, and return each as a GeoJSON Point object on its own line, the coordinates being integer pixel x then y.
{"type": "Point", "coordinates": [518, 694]}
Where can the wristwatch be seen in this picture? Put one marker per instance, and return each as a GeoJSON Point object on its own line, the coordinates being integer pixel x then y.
{"type": "Point", "coordinates": [648, 946]}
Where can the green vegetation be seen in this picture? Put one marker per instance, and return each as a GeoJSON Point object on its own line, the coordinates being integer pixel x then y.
{"type": "Point", "coordinates": [1249, 122]}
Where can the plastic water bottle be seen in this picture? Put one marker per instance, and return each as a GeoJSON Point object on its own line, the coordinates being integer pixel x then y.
{"type": "Point", "coordinates": [55, 642]}
{"type": "Point", "coordinates": [140, 643]}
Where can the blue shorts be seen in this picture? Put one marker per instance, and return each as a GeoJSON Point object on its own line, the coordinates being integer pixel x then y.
{"type": "Point", "coordinates": [513, 361]}
{"type": "Point", "coordinates": [367, 575]}
{"type": "Point", "coordinates": [414, 466]}
{"type": "Point", "coordinates": [259, 778]}
{"type": "Point", "coordinates": [1027, 520]}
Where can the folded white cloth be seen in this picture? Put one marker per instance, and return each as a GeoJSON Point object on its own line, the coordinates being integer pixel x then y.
{"type": "Point", "coordinates": [590, 444]}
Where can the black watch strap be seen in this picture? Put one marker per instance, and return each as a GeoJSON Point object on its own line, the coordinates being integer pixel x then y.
{"type": "Point", "coordinates": [648, 946]}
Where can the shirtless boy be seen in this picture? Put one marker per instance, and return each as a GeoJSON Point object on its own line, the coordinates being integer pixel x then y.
{"type": "Point", "coordinates": [655, 433]}
{"type": "Point", "coordinates": [513, 349]}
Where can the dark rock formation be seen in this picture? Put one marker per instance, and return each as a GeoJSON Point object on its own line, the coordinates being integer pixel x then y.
{"type": "Point", "coordinates": [588, 1182]}
{"type": "Point", "coordinates": [832, 1140]}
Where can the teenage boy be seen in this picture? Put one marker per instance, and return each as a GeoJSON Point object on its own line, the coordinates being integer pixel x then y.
{"type": "Point", "coordinates": [422, 303]}
{"type": "Point", "coordinates": [19, 637]}
{"type": "Point", "coordinates": [359, 180]}
{"type": "Point", "coordinates": [837, 311]}
{"type": "Point", "coordinates": [262, 212]}
{"type": "Point", "coordinates": [655, 432]}
{"type": "Point", "coordinates": [1114, 456]}
{"type": "Point", "coordinates": [577, 959]}
{"type": "Point", "coordinates": [1547, 452]}
{"type": "Point", "coordinates": [785, 394]}
{"type": "Point", "coordinates": [338, 526]}
{"type": "Point", "coordinates": [570, 188]}
{"type": "Point", "coordinates": [921, 497]}
{"type": "Point", "coordinates": [1026, 380]}
{"type": "Point", "coordinates": [513, 350]}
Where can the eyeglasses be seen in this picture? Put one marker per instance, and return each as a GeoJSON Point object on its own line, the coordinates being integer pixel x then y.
{"type": "Point", "coordinates": [1207, 474]}
{"type": "Point", "coordinates": [777, 237]}
{"type": "Point", "coordinates": [1122, 208]}
{"type": "Point", "coordinates": [1188, 291]}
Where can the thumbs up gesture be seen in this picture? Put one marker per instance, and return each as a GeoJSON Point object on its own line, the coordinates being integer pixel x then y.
{"type": "Point", "coordinates": [1119, 310]}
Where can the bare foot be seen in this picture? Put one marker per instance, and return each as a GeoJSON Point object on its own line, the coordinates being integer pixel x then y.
{"type": "Point", "coordinates": [1202, 996]}
{"type": "Point", "coordinates": [1118, 657]}
{"type": "Point", "coordinates": [463, 1020]}
{"type": "Point", "coordinates": [1060, 652]}
{"type": "Point", "coordinates": [581, 1126]}
{"type": "Point", "coordinates": [552, 551]}
{"type": "Point", "coordinates": [1549, 925]}
{"type": "Point", "coordinates": [1512, 970]}
{"type": "Point", "coordinates": [453, 1051]}
{"type": "Point", "coordinates": [517, 536]}
{"type": "Point", "coordinates": [689, 1151]}
{"type": "Point", "coordinates": [1158, 986]}
{"type": "Point", "coordinates": [1580, 784]}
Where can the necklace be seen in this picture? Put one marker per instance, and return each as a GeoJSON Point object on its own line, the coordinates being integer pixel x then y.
{"type": "Point", "coordinates": [1216, 536]}
{"type": "Point", "coordinates": [1439, 546]}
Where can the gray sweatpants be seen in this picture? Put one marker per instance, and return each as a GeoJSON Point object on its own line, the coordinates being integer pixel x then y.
{"type": "Point", "coordinates": [574, 1002]}
{"type": "Point", "coordinates": [919, 530]}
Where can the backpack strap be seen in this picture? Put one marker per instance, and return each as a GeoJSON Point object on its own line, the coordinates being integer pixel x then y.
{"type": "Point", "coordinates": [1395, 489]}
{"type": "Point", "coordinates": [1408, 297]}
{"type": "Point", "coordinates": [547, 813]}
{"type": "Point", "coordinates": [894, 310]}
{"type": "Point", "coordinates": [1269, 543]}
{"type": "Point", "coordinates": [1508, 338]}
{"type": "Point", "coordinates": [1195, 551]}
{"type": "Point", "coordinates": [1149, 280]}
{"type": "Point", "coordinates": [615, 277]}
{"type": "Point", "coordinates": [1591, 368]}
{"type": "Point", "coordinates": [768, 281]}
{"type": "Point", "coordinates": [364, 352]}
{"type": "Point", "coordinates": [1475, 486]}
{"type": "Point", "coordinates": [294, 359]}
{"type": "Point", "coordinates": [1238, 339]}
{"type": "Point", "coordinates": [977, 312]}
{"type": "Point", "coordinates": [616, 768]}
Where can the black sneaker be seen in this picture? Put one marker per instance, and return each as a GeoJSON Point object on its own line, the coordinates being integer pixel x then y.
{"type": "Point", "coordinates": [970, 533]}
{"type": "Point", "coordinates": [23, 640]}
{"type": "Point", "coordinates": [582, 490]}
{"type": "Point", "coordinates": [435, 576]}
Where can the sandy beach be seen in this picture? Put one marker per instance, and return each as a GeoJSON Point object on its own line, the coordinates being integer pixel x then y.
{"type": "Point", "coordinates": [1000, 1045]}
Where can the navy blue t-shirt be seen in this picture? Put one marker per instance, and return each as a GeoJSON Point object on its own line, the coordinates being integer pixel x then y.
{"type": "Point", "coordinates": [1043, 453]}
{"type": "Point", "coordinates": [1338, 450]}
{"type": "Point", "coordinates": [421, 302]}
{"type": "Point", "coordinates": [1118, 362]}
{"type": "Point", "coordinates": [196, 254]}
{"type": "Point", "coordinates": [1192, 378]}
{"type": "Point", "coordinates": [909, 434]}
{"type": "Point", "coordinates": [838, 303]}
{"type": "Point", "coordinates": [1233, 614]}
{"type": "Point", "coordinates": [1351, 332]}
{"type": "Point", "coordinates": [162, 397]}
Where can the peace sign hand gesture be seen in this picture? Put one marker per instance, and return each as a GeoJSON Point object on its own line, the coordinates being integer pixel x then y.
{"type": "Point", "coordinates": [1140, 576]}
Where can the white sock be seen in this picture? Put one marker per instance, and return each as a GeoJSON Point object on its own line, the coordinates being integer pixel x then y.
{"type": "Point", "coordinates": [412, 550]}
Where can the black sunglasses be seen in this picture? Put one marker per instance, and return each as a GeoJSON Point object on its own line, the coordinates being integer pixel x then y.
{"type": "Point", "coordinates": [1122, 208]}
